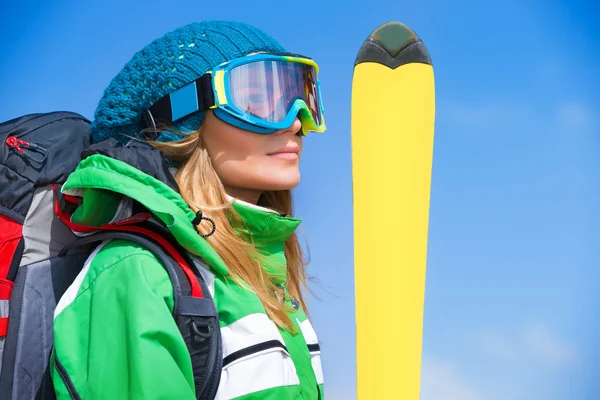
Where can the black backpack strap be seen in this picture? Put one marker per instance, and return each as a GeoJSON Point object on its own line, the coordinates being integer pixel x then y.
{"type": "Point", "coordinates": [196, 317]}
{"type": "Point", "coordinates": [31, 122]}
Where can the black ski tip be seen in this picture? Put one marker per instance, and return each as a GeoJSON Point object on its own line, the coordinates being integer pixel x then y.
{"type": "Point", "coordinates": [393, 44]}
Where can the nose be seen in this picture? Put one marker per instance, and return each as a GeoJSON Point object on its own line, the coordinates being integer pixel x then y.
{"type": "Point", "coordinates": [293, 129]}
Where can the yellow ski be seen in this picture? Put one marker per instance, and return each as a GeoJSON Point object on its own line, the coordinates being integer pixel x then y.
{"type": "Point", "coordinates": [393, 111]}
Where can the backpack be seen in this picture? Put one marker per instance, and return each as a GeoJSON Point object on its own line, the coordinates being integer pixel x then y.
{"type": "Point", "coordinates": [40, 256]}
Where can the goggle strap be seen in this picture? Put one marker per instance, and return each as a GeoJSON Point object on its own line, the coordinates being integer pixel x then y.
{"type": "Point", "coordinates": [193, 97]}
{"type": "Point", "coordinates": [285, 54]}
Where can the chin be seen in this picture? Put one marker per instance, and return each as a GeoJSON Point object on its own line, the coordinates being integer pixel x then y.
{"type": "Point", "coordinates": [279, 186]}
{"type": "Point", "coordinates": [281, 182]}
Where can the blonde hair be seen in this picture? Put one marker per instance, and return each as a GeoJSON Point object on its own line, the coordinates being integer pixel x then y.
{"type": "Point", "coordinates": [202, 190]}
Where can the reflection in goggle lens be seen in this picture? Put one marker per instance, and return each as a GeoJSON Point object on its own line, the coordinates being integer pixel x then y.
{"type": "Point", "coordinates": [268, 89]}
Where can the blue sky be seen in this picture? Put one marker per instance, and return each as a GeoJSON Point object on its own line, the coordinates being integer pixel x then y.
{"type": "Point", "coordinates": [512, 262]}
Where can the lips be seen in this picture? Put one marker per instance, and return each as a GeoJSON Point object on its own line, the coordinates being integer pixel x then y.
{"type": "Point", "coordinates": [289, 152]}
{"type": "Point", "coordinates": [289, 149]}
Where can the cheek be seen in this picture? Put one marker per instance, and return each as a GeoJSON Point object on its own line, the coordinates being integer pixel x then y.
{"type": "Point", "coordinates": [240, 159]}
{"type": "Point", "coordinates": [242, 162]}
{"type": "Point", "coordinates": [235, 154]}
{"type": "Point", "coordinates": [233, 146]}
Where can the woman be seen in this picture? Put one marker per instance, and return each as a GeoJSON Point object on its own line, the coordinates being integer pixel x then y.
{"type": "Point", "coordinates": [219, 102]}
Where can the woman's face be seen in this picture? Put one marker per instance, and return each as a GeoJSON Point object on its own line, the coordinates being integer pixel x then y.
{"type": "Point", "coordinates": [249, 163]}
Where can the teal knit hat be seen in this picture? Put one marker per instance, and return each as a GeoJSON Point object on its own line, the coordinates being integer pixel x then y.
{"type": "Point", "coordinates": [167, 64]}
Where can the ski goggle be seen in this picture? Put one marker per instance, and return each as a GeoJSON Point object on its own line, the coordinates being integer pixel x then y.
{"type": "Point", "coordinates": [262, 92]}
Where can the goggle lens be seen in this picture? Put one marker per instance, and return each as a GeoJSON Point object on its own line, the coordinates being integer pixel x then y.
{"type": "Point", "coordinates": [268, 89]}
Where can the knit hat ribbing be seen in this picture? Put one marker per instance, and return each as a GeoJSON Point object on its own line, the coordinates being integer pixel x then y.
{"type": "Point", "coordinates": [167, 64]}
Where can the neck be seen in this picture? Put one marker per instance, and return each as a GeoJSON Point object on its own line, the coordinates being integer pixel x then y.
{"type": "Point", "coordinates": [247, 195]}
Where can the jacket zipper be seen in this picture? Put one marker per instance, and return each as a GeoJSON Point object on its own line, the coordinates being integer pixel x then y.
{"type": "Point", "coordinates": [67, 380]}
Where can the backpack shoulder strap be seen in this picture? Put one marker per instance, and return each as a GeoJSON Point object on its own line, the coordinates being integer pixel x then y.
{"type": "Point", "coordinates": [196, 316]}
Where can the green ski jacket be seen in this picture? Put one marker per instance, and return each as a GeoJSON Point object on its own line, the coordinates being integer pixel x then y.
{"type": "Point", "coordinates": [115, 337]}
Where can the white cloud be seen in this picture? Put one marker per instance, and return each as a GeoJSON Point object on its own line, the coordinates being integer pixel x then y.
{"type": "Point", "coordinates": [486, 115]}
{"type": "Point", "coordinates": [547, 347]}
{"type": "Point", "coordinates": [499, 346]}
{"type": "Point", "coordinates": [552, 72]}
{"type": "Point", "coordinates": [474, 116]}
{"type": "Point", "coordinates": [531, 343]}
{"type": "Point", "coordinates": [441, 381]}
{"type": "Point", "coordinates": [571, 122]}
{"type": "Point", "coordinates": [520, 363]}
{"type": "Point", "coordinates": [575, 116]}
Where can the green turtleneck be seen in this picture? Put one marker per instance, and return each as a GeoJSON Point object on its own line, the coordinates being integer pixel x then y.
{"type": "Point", "coordinates": [269, 231]}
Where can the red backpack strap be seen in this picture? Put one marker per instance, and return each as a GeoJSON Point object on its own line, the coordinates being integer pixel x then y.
{"type": "Point", "coordinates": [127, 225]}
{"type": "Point", "coordinates": [11, 247]}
